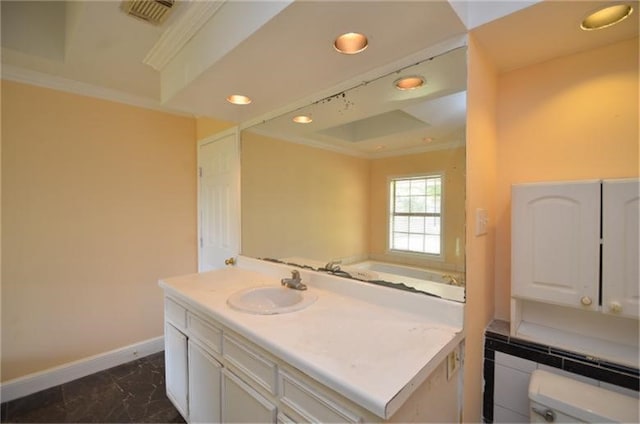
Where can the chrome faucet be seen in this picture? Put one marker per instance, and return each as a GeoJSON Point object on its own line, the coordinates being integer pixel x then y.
{"type": "Point", "coordinates": [295, 282]}
{"type": "Point", "coordinates": [333, 266]}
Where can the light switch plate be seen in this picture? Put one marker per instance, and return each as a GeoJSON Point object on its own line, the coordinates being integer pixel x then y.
{"type": "Point", "coordinates": [482, 221]}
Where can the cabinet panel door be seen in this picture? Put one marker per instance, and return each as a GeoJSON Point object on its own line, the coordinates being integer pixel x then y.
{"type": "Point", "coordinates": [555, 244]}
{"type": "Point", "coordinates": [204, 386]}
{"type": "Point", "coordinates": [255, 366]}
{"type": "Point", "coordinates": [620, 253]}
{"type": "Point", "coordinates": [175, 356]}
{"type": "Point", "coordinates": [242, 404]}
{"type": "Point", "coordinates": [313, 405]}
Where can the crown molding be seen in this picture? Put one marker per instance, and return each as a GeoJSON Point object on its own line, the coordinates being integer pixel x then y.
{"type": "Point", "coordinates": [40, 79]}
{"type": "Point", "coordinates": [180, 32]}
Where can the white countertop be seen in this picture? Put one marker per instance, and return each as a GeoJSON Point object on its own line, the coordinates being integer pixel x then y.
{"type": "Point", "coordinates": [372, 352]}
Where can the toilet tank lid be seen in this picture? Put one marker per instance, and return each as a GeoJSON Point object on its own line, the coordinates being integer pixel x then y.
{"type": "Point", "coordinates": [581, 400]}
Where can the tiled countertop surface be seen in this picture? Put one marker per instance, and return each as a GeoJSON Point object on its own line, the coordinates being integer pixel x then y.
{"type": "Point", "coordinates": [499, 343]}
{"type": "Point", "coordinates": [498, 339]}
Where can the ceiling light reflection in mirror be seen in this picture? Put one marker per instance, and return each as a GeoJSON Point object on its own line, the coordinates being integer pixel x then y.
{"type": "Point", "coordinates": [376, 113]}
{"type": "Point", "coordinates": [238, 99]}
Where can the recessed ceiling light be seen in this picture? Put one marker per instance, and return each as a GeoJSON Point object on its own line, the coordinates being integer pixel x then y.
{"type": "Point", "coordinates": [238, 99]}
{"type": "Point", "coordinates": [606, 17]}
{"type": "Point", "coordinates": [409, 83]}
{"type": "Point", "coordinates": [351, 43]}
{"type": "Point", "coordinates": [302, 119]}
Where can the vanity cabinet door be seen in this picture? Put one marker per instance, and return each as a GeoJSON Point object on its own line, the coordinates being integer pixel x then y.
{"type": "Point", "coordinates": [555, 244]}
{"type": "Point", "coordinates": [620, 253]}
{"type": "Point", "coordinates": [311, 405]}
{"type": "Point", "coordinates": [242, 404]}
{"type": "Point", "coordinates": [175, 356]}
{"type": "Point", "coordinates": [204, 385]}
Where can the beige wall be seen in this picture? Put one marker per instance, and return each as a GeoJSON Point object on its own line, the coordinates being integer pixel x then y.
{"type": "Point", "coordinates": [452, 163]}
{"type": "Point", "coordinates": [206, 127]}
{"type": "Point", "coordinates": [571, 118]}
{"type": "Point", "coordinates": [481, 184]}
{"type": "Point", "coordinates": [302, 201]}
{"type": "Point", "coordinates": [98, 203]}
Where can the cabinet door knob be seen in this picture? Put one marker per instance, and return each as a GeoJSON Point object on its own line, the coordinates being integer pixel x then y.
{"type": "Point", "coordinates": [586, 300]}
{"type": "Point", "coordinates": [615, 307]}
{"type": "Point", "coordinates": [230, 261]}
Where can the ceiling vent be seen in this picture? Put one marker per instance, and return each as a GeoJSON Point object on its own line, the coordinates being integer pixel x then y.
{"type": "Point", "coordinates": [152, 11]}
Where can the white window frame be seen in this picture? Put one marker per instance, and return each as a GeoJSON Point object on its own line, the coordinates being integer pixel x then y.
{"type": "Point", "coordinates": [390, 203]}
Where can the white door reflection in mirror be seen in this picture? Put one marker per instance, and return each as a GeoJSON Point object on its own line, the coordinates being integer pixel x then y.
{"type": "Point", "coordinates": [218, 199]}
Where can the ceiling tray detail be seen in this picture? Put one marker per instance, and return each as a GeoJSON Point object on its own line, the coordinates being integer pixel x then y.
{"type": "Point", "coordinates": [388, 123]}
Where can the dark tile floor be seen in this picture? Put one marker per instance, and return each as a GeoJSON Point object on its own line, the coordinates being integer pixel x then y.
{"type": "Point", "coordinates": [130, 393]}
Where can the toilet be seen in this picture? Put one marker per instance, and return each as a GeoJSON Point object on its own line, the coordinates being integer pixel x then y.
{"type": "Point", "coordinates": [554, 398]}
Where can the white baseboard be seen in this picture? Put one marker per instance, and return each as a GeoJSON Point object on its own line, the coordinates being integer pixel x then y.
{"type": "Point", "coordinates": [32, 383]}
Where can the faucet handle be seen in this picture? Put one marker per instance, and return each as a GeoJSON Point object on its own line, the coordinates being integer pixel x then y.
{"type": "Point", "coordinates": [450, 279]}
{"type": "Point", "coordinates": [295, 282]}
{"type": "Point", "coordinates": [454, 280]}
{"type": "Point", "coordinates": [333, 265]}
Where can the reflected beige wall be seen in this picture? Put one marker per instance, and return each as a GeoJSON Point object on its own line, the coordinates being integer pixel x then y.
{"type": "Point", "coordinates": [302, 201]}
{"type": "Point", "coordinates": [452, 163]}
{"type": "Point", "coordinates": [580, 124]}
{"type": "Point", "coordinates": [98, 203]}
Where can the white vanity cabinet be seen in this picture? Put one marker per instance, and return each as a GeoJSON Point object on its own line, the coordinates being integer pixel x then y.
{"type": "Point", "coordinates": [175, 348]}
{"type": "Point", "coordinates": [176, 355]}
{"type": "Point", "coordinates": [204, 375]}
{"type": "Point", "coordinates": [214, 375]}
{"type": "Point", "coordinates": [572, 241]}
{"type": "Point", "coordinates": [322, 364]}
{"type": "Point", "coordinates": [243, 404]}
{"type": "Point", "coordinates": [193, 374]}
{"type": "Point", "coordinates": [249, 383]}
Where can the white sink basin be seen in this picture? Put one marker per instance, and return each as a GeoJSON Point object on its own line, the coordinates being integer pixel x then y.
{"type": "Point", "coordinates": [270, 300]}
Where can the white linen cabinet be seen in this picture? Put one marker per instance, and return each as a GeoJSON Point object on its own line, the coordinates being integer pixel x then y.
{"type": "Point", "coordinates": [555, 245]}
{"type": "Point", "coordinates": [574, 265]}
{"type": "Point", "coordinates": [572, 241]}
{"type": "Point", "coordinates": [620, 255]}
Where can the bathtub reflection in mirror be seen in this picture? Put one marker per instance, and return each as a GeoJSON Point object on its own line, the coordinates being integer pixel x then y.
{"type": "Point", "coordinates": [372, 188]}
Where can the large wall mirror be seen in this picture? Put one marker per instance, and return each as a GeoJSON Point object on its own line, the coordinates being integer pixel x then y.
{"type": "Point", "coordinates": [370, 185]}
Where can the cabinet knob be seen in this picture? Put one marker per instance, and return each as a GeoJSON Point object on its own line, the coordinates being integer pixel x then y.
{"type": "Point", "coordinates": [615, 307]}
{"type": "Point", "coordinates": [230, 261]}
{"type": "Point", "coordinates": [586, 300]}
